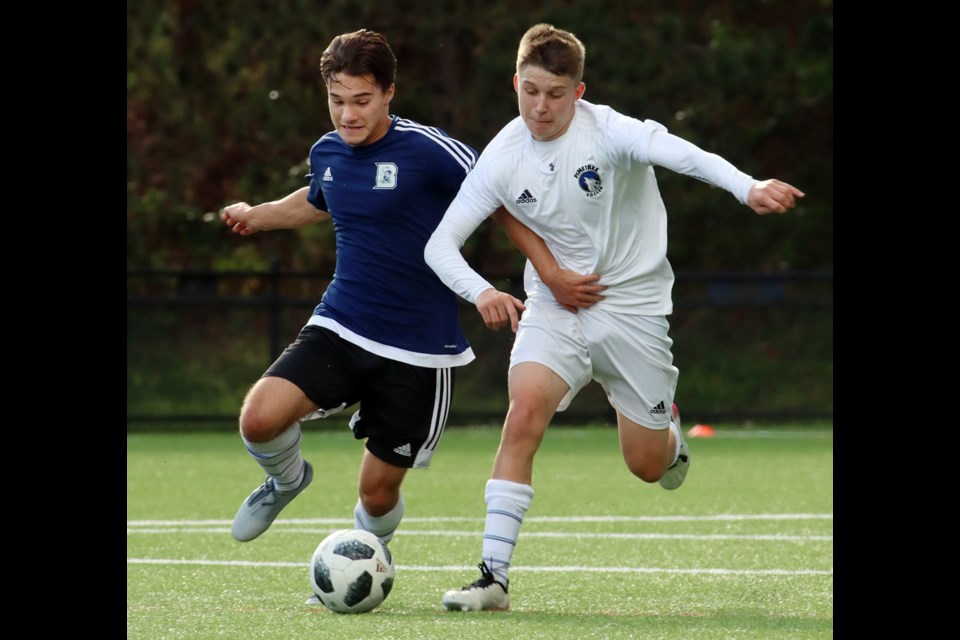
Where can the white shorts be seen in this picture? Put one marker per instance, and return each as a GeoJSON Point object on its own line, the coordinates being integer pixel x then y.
{"type": "Point", "coordinates": [629, 355]}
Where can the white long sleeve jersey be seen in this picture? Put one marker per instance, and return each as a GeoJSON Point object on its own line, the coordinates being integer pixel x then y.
{"type": "Point", "coordinates": [591, 194]}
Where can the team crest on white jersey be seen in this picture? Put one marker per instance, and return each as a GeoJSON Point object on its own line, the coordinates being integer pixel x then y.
{"type": "Point", "coordinates": [588, 177]}
{"type": "Point", "coordinates": [386, 176]}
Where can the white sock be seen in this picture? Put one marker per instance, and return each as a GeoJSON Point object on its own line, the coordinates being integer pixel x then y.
{"type": "Point", "coordinates": [280, 458]}
{"type": "Point", "coordinates": [676, 432]}
{"type": "Point", "coordinates": [381, 526]}
{"type": "Point", "coordinates": [506, 503]}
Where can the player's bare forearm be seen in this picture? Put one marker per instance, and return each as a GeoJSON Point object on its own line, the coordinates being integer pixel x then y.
{"type": "Point", "coordinates": [530, 244]}
{"type": "Point", "coordinates": [773, 196]}
{"type": "Point", "coordinates": [498, 309]}
{"type": "Point", "coordinates": [290, 212]}
{"type": "Point", "coordinates": [571, 289]}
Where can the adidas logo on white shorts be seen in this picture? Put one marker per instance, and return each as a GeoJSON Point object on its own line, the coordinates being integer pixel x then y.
{"type": "Point", "coordinates": [659, 408]}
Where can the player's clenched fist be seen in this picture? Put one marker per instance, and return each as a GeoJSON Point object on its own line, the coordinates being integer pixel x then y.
{"type": "Point", "coordinates": [773, 196]}
{"type": "Point", "coordinates": [234, 217]}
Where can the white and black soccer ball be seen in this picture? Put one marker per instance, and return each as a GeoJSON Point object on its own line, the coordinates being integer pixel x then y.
{"type": "Point", "coordinates": [351, 571]}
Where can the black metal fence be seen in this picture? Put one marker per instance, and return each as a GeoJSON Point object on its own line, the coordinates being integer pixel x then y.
{"type": "Point", "coordinates": [710, 306]}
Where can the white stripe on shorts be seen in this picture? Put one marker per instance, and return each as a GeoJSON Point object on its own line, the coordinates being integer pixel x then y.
{"type": "Point", "coordinates": [441, 411]}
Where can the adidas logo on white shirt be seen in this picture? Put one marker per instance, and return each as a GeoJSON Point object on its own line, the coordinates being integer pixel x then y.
{"type": "Point", "coordinates": [526, 197]}
{"type": "Point", "coordinates": [327, 176]}
{"type": "Point", "coordinates": [404, 450]}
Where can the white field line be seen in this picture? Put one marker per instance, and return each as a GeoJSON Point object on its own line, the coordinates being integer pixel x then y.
{"type": "Point", "coordinates": [309, 526]}
{"type": "Point", "coordinates": [526, 534]}
{"type": "Point", "coordinates": [567, 569]}
{"type": "Point", "coordinates": [303, 527]}
{"type": "Point", "coordinates": [723, 517]}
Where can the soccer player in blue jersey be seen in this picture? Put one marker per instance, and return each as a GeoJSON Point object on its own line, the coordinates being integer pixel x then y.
{"type": "Point", "coordinates": [385, 335]}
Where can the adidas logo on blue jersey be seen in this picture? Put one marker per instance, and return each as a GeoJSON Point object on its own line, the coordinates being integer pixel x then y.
{"type": "Point", "coordinates": [327, 176]}
{"type": "Point", "coordinates": [526, 197]}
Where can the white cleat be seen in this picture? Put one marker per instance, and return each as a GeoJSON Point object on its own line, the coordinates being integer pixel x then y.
{"type": "Point", "coordinates": [486, 594]}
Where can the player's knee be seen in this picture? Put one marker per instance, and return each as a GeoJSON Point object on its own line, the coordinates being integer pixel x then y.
{"type": "Point", "coordinates": [257, 426]}
{"type": "Point", "coordinates": [647, 469]}
{"type": "Point", "coordinates": [378, 502]}
{"type": "Point", "coordinates": [524, 425]}
{"type": "Point", "coordinates": [647, 475]}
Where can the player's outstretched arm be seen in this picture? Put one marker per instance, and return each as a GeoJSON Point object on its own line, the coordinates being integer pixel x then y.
{"type": "Point", "coordinates": [571, 289]}
{"type": "Point", "coordinates": [290, 212]}
{"type": "Point", "coordinates": [677, 154]}
{"type": "Point", "coordinates": [773, 196]}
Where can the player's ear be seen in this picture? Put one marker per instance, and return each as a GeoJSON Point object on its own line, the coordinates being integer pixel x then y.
{"type": "Point", "coordinates": [579, 92]}
{"type": "Point", "coordinates": [516, 83]}
{"type": "Point", "coordinates": [388, 94]}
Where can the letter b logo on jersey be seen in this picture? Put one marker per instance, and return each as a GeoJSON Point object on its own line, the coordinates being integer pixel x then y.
{"type": "Point", "coordinates": [386, 176]}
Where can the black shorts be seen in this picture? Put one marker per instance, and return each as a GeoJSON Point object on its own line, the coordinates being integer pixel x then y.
{"type": "Point", "coordinates": [403, 408]}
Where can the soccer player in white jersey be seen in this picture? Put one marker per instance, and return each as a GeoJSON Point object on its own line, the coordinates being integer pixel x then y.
{"type": "Point", "coordinates": [386, 334]}
{"type": "Point", "coordinates": [580, 176]}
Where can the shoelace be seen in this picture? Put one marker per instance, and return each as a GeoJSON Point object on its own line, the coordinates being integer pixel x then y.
{"type": "Point", "coordinates": [486, 578]}
{"type": "Point", "coordinates": [266, 489]}
{"type": "Point", "coordinates": [486, 572]}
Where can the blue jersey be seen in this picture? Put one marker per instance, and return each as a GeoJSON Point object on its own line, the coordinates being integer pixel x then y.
{"type": "Point", "coordinates": [385, 200]}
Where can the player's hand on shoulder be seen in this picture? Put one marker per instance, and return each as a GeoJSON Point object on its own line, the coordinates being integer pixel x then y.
{"type": "Point", "coordinates": [498, 309]}
{"type": "Point", "coordinates": [573, 290]}
{"type": "Point", "coordinates": [773, 196]}
{"type": "Point", "coordinates": [234, 217]}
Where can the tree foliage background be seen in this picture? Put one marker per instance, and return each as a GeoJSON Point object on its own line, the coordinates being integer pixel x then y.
{"type": "Point", "coordinates": [224, 101]}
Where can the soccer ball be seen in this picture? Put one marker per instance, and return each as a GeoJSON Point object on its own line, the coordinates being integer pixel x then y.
{"type": "Point", "coordinates": [351, 571]}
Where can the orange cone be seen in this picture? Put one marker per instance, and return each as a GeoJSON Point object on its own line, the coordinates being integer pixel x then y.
{"type": "Point", "coordinates": [701, 431]}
